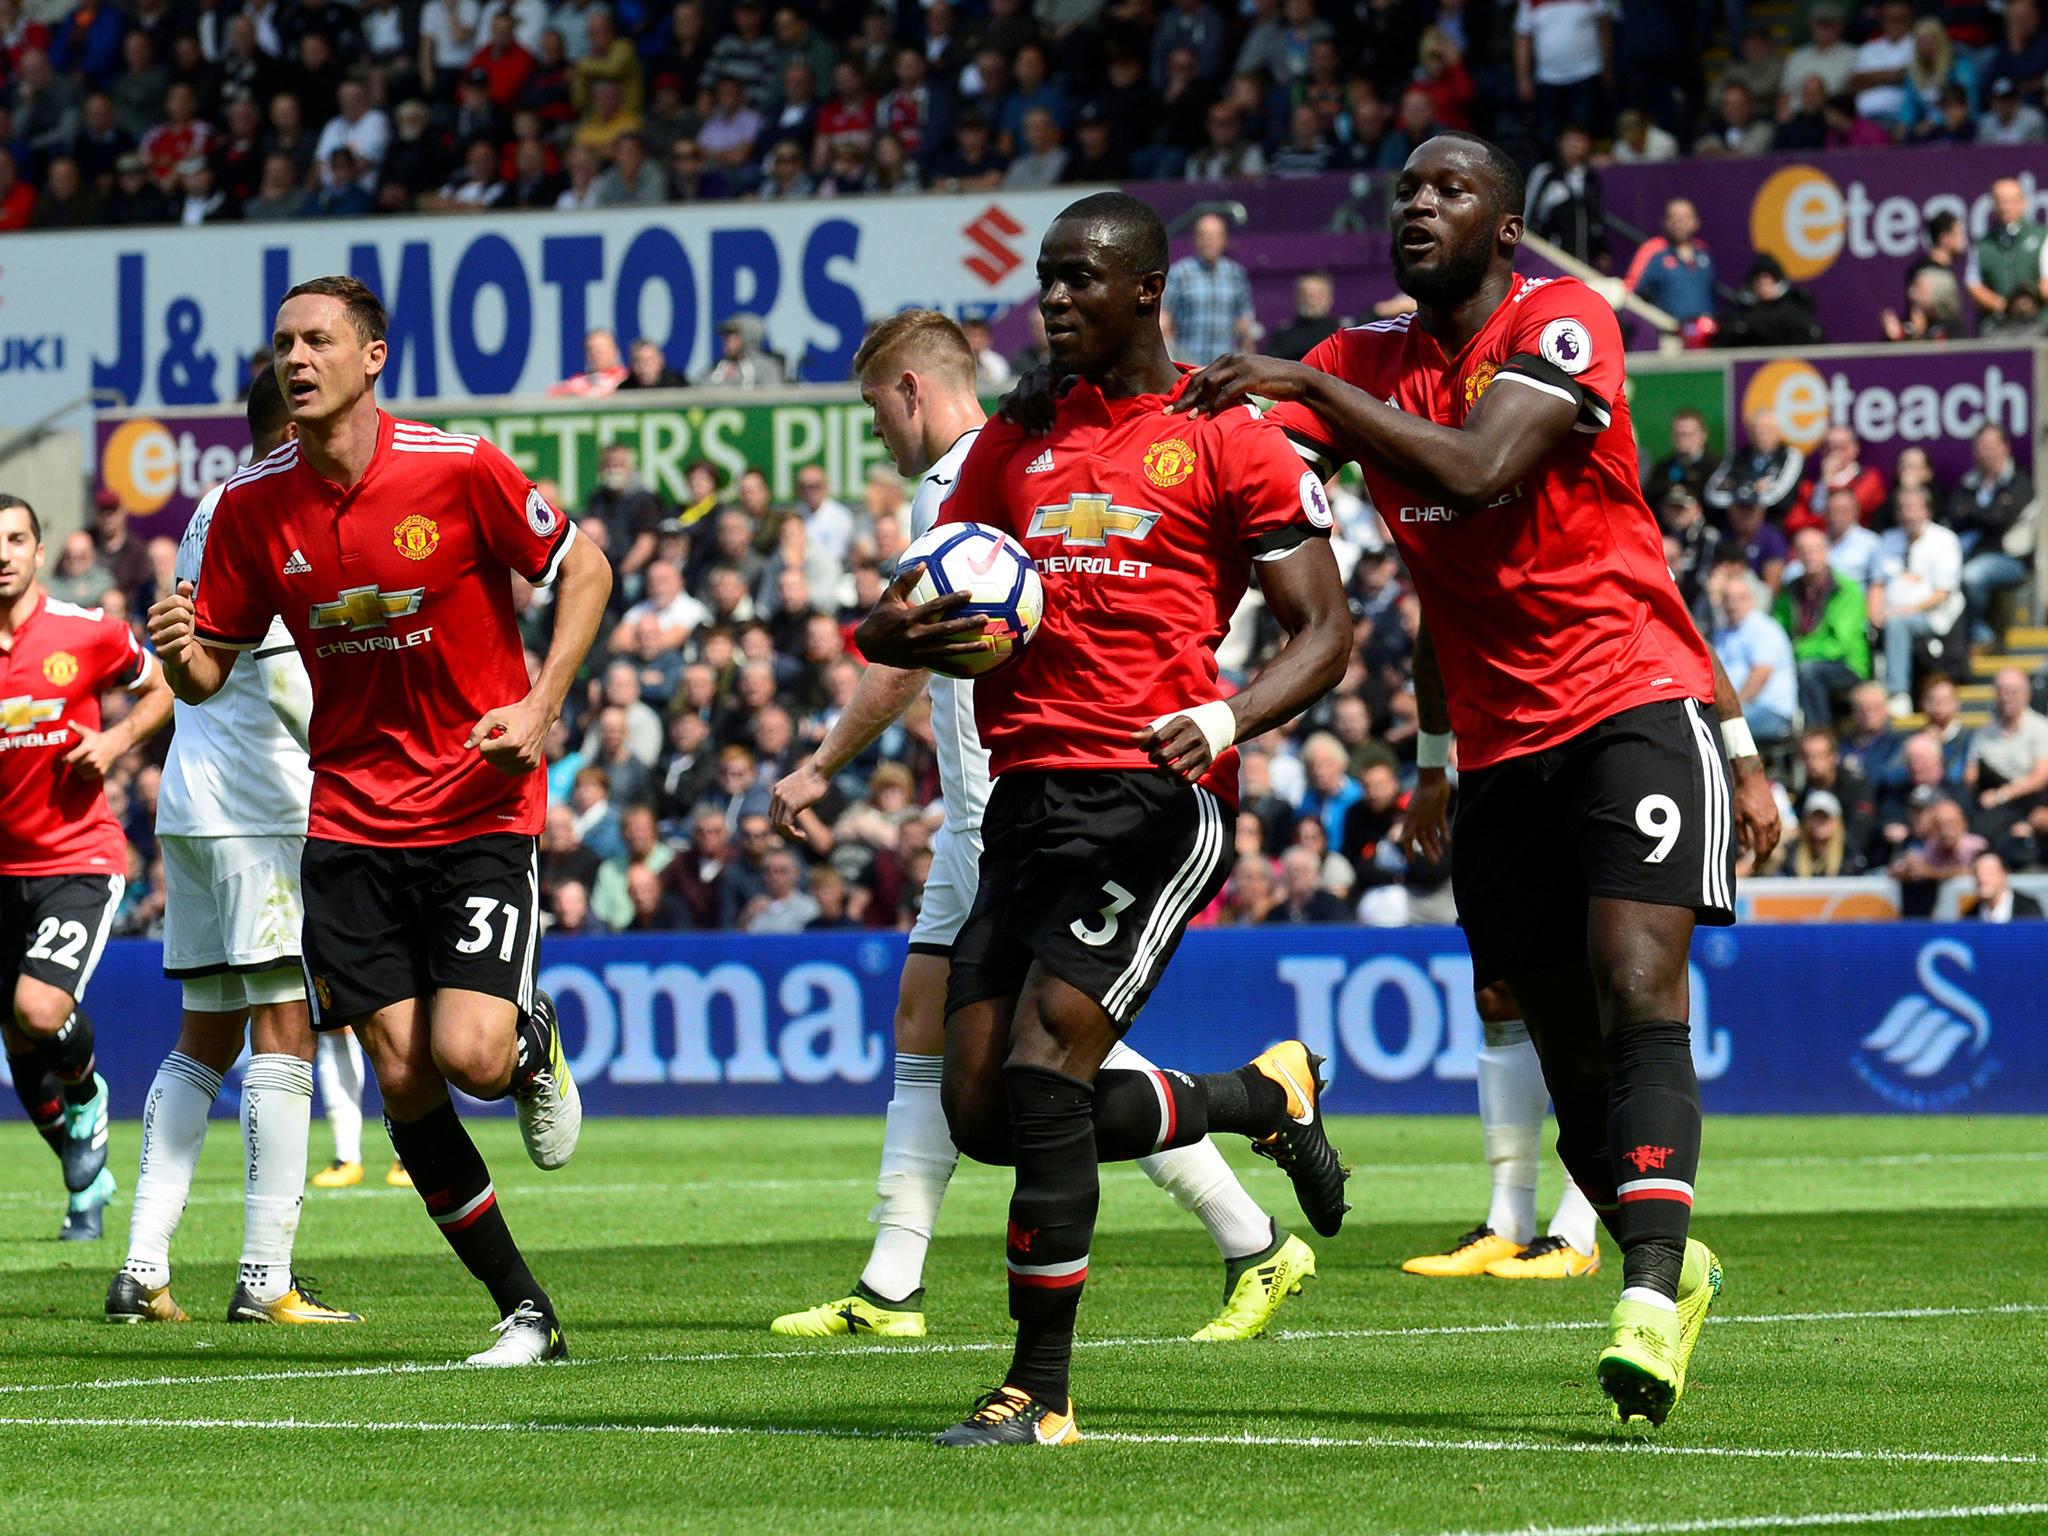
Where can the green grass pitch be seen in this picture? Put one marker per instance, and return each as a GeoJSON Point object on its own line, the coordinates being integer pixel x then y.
{"type": "Point", "coordinates": [1876, 1362]}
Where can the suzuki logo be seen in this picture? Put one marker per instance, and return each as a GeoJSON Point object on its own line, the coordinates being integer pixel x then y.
{"type": "Point", "coordinates": [366, 608]}
{"type": "Point", "coordinates": [993, 231]}
{"type": "Point", "coordinates": [1090, 520]}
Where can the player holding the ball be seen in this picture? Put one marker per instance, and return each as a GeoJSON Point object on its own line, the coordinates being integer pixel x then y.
{"type": "Point", "coordinates": [1110, 820]}
{"type": "Point", "coordinates": [916, 372]}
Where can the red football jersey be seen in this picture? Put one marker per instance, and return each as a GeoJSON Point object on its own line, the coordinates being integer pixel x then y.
{"type": "Point", "coordinates": [398, 594]}
{"type": "Point", "coordinates": [1144, 528]}
{"type": "Point", "coordinates": [1551, 609]}
{"type": "Point", "coordinates": [53, 819]}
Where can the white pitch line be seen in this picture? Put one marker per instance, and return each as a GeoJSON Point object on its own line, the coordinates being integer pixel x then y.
{"type": "Point", "coordinates": [1813, 1521]}
{"type": "Point", "coordinates": [989, 1346]}
{"type": "Point", "coordinates": [1247, 1440]}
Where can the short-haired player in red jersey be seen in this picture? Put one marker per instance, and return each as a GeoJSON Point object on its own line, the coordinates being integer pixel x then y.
{"type": "Point", "coordinates": [1115, 776]}
{"type": "Point", "coordinates": [1595, 820]}
{"type": "Point", "coordinates": [387, 548]}
{"type": "Point", "coordinates": [63, 858]}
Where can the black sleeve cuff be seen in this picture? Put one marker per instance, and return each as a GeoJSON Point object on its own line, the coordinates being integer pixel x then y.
{"type": "Point", "coordinates": [1319, 456]}
{"type": "Point", "coordinates": [1275, 542]}
{"type": "Point", "coordinates": [226, 642]}
{"type": "Point", "coordinates": [1595, 414]}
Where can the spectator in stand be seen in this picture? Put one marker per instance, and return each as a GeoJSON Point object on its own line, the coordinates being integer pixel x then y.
{"type": "Point", "coordinates": [1872, 746]}
{"type": "Point", "coordinates": [1330, 791]}
{"type": "Point", "coordinates": [644, 849]}
{"type": "Point", "coordinates": [747, 54]}
{"type": "Point", "coordinates": [1955, 121]}
{"type": "Point", "coordinates": [1207, 308]}
{"type": "Point", "coordinates": [1250, 895]}
{"type": "Point", "coordinates": [67, 202]}
{"type": "Point", "coordinates": [1639, 141]}
{"type": "Point", "coordinates": [1308, 150]}
{"type": "Point", "coordinates": [1769, 311]}
{"type": "Point", "coordinates": [1804, 129]}
{"type": "Point", "coordinates": [1995, 514]}
{"type": "Point", "coordinates": [563, 857]}
{"type": "Point", "coordinates": [475, 186]}
{"type": "Point", "coordinates": [1688, 464]}
{"type": "Point", "coordinates": [795, 113]}
{"type": "Point", "coordinates": [2021, 56]}
{"type": "Point", "coordinates": [971, 162]}
{"type": "Point", "coordinates": [2006, 771]}
{"type": "Point", "coordinates": [692, 177]}
{"type": "Point", "coordinates": [1760, 66]}
{"type": "Point", "coordinates": [1564, 200]}
{"type": "Point", "coordinates": [782, 905]}
{"type": "Point", "coordinates": [204, 200]}
{"type": "Point", "coordinates": [1755, 543]}
{"type": "Point", "coordinates": [828, 886]}
{"type": "Point", "coordinates": [1839, 467]}
{"type": "Point", "coordinates": [584, 166]}
{"type": "Point", "coordinates": [1441, 71]}
{"type": "Point", "coordinates": [1279, 42]}
{"type": "Point", "coordinates": [1094, 157]}
{"type": "Point", "coordinates": [1823, 848]}
{"type": "Point", "coordinates": [504, 61]}
{"type": "Point", "coordinates": [1766, 471]}
{"type": "Point", "coordinates": [1936, 68]}
{"type": "Point", "coordinates": [1757, 655]}
{"type": "Point", "coordinates": [1314, 298]}
{"type": "Point", "coordinates": [1826, 55]}
{"type": "Point", "coordinates": [1943, 707]}
{"type": "Point", "coordinates": [77, 576]}
{"type": "Point", "coordinates": [1564, 62]}
{"type": "Point", "coordinates": [991, 369]}
{"type": "Point", "coordinates": [1853, 549]}
{"type": "Point", "coordinates": [787, 180]}
{"type": "Point", "coordinates": [1997, 901]}
{"type": "Point", "coordinates": [1040, 161]}
{"type": "Point", "coordinates": [1847, 128]}
{"type": "Point", "coordinates": [364, 130]}
{"type": "Point", "coordinates": [278, 195]}
{"type": "Point", "coordinates": [602, 371]}
{"type": "Point", "coordinates": [732, 130]}
{"type": "Point", "coordinates": [1674, 270]}
{"type": "Point", "coordinates": [1944, 848]}
{"type": "Point", "coordinates": [1821, 769]}
{"type": "Point", "coordinates": [569, 903]}
{"type": "Point", "coordinates": [743, 360]}
{"type": "Point", "coordinates": [1415, 124]}
{"type": "Point", "coordinates": [1934, 285]}
{"type": "Point", "coordinates": [1737, 129]}
{"type": "Point", "coordinates": [17, 197]}
{"type": "Point", "coordinates": [1919, 597]}
{"type": "Point", "coordinates": [649, 369]}
{"type": "Point", "coordinates": [1192, 25]}
{"type": "Point", "coordinates": [2011, 118]}
{"type": "Point", "coordinates": [828, 521]}
{"type": "Point", "coordinates": [1693, 547]}
{"type": "Point", "coordinates": [654, 910]}
{"type": "Point", "coordinates": [1882, 63]}
{"type": "Point", "coordinates": [1827, 618]}
{"type": "Point", "coordinates": [1303, 899]}
{"type": "Point", "coordinates": [697, 875]}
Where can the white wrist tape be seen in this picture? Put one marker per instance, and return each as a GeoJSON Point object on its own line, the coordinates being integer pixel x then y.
{"type": "Point", "coordinates": [1214, 720]}
{"type": "Point", "coordinates": [1736, 737]}
{"type": "Point", "coordinates": [1433, 749]}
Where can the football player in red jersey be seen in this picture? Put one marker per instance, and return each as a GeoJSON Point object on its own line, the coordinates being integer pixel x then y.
{"type": "Point", "coordinates": [63, 858]}
{"type": "Point", "coordinates": [1595, 819]}
{"type": "Point", "coordinates": [1115, 777]}
{"type": "Point", "coordinates": [387, 548]}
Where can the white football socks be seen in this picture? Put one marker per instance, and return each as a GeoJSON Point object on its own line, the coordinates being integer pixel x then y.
{"type": "Point", "coordinates": [1201, 1182]}
{"type": "Point", "coordinates": [917, 1162]}
{"type": "Point", "coordinates": [1512, 1103]}
{"type": "Point", "coordinates": [1576, 1221]}
{"type": "Point", "coordinates": [339, 1061]}
{"type": "Point", "coordinates": [277, 1109]}
{"type": "Point", "coordinates": [173, 1130]}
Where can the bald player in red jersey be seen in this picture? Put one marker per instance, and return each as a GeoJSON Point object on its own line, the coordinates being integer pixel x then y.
{"type": "Point", "coordinates": [388, 548]}
{"type": "Point", "coordinates": [63, 857]}
{"type": "Point", "coordinates": [1115, 777]}
{"type": "Point", "coordinates": [1596, 823]}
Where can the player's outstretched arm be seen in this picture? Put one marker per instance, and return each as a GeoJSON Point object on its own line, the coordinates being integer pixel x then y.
{"type": "Point", "coordinates": [194, 669]}
{"type": "Point", "coordinates": [1306, 595]}
{"type": "Point", "coordinates": [882, 694]}
{"type": "Point", "coordinates": [513, 738]}
{"type": "Point", "coordinates": [1508, 434]}
{"type": "Point", "coordinates": [1757, 826]}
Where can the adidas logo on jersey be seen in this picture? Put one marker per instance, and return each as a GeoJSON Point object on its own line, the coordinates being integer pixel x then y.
{"type": "Point", "coordinates": [298, 565]}
{"type": "Point", "coordinates": [1039, 465]}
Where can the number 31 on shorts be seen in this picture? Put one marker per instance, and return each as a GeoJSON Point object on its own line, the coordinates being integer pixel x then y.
{"type": "Point", "coordinates": [1657, 817]}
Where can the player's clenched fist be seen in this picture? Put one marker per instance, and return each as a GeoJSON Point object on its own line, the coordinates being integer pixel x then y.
{"type": "Point", "coordinates": [512, 738]}
{"type": "Point", "coordinates": [172, 625]}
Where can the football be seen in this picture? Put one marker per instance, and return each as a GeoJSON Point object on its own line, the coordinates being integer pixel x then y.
{"type": "Point", "coordinates": [1003, 587]}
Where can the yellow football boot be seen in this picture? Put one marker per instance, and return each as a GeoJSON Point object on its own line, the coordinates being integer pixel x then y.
{"type": "Point", "coordinates": [339, 1175]}
{"type": "Point", "coordinates": [1255, 1287]}
{"type": "Point", "coordinates": [1469, 1255]}
{"type": "Point", "coordinates": [130, 1301]}
{"type": "Point", "coordinates": [1011, 1416]}
{"type": "Point", "coordinates": [398, 1178]}
{"type": "Point", "coordinates": [861, 1313]}
{"type": "Point", "coordinates": [297, 1305]}
{"type": "Point", "coordinates": [1548, 1258]}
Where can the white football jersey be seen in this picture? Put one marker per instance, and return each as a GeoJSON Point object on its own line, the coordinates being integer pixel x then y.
{"type": "Point", "coordinates": [963, 761]}
{"type": "Point", "coordinates": [233, 770]}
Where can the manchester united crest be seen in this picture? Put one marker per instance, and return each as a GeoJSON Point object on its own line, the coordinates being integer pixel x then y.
{"type": "Point", "coordinates": [323, 991]}
{"type": "Point", "coordinates": [1477, 380]}
{"type": "Point", "coordinates": [1169, 462]}
{"type": "Point", "coordinates": [416, 537]}
{"type": "Point", "coordinates": [60, 668]}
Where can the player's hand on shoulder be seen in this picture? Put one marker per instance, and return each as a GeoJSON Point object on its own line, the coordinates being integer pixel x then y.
{"type": "Point", "coordinates": [900, 633]}
{"type": "Point", "coordinates": [513, 737]}
{"type": "Point", "coordinates": [1426, 827]}
{"type": "Point", "coordinates": [172, 624]}
{"type": "Point", "coordinates": [1235, 377]}
{"type": "Point", "coordinates": [794, 793]}
{"type": "Point", "coordinates": [1030, 402]}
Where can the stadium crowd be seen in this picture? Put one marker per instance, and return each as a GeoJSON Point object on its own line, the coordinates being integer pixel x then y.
{"type": "Point", "coordinates": [196, 111]}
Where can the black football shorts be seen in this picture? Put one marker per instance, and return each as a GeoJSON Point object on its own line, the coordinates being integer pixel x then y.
{"type": "Point", "coordinates": [1638, 808]}
{"type": "Point", "coordinates": [385, 924]}
{"type": "Point", "coordinates": [54, 928]}
{"type": "Point", "coordinates": [1094, 874]}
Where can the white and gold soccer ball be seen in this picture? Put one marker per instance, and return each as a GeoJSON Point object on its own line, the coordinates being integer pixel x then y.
{"type": "Point", "coordinates": [1003, 587]}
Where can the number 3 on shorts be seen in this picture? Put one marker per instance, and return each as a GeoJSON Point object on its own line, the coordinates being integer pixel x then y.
{"type": "Point", "coordinates": [1657, 817]}
{"type": "Point", "coordinates": [1119, 899]}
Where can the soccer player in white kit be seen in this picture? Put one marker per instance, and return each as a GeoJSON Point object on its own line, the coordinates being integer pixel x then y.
{"type": "Point", "coordinates": [917, 374]}
{"type": "Point", "coordinates": [231, 818]}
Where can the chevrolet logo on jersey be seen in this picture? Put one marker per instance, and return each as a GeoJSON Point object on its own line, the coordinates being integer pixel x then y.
{"type": "Point", "coordinates": [1089, 520]}
{"type": "Point", "coordinates": [25, 713]}
{"type": "Point", "coordinates": [363, 608]}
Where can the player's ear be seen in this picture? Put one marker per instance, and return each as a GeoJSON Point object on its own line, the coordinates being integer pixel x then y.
{"type": "Point", "coordinates": [1511, 231]}
{"type": "Point", "coordinates": [375, 355]}
{"type": "Point", "coordinates": [1151, 285]}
